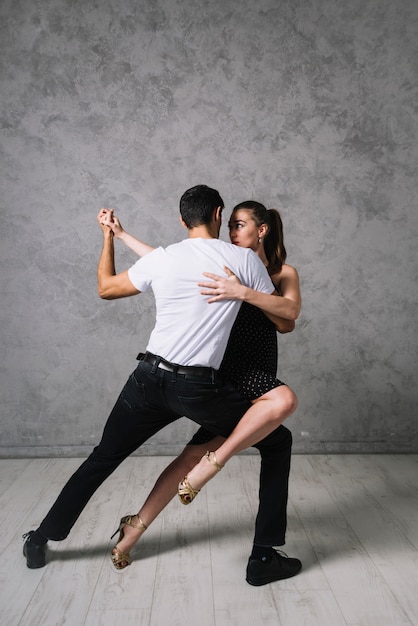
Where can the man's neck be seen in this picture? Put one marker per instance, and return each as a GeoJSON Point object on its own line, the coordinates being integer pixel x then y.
{"type": "Point", "coordinates": [203, 232]}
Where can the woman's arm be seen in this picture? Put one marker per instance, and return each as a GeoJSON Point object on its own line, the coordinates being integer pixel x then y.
{"type": "Point", "coordinates": [107, 218]}
{"type": "Point", "coordinates": [286, 306]}
{"type": "Point", "coordinates": [287, 282]}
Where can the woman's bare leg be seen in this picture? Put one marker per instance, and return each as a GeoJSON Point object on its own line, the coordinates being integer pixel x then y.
{"type": "Point", "coordinates": [164, 490]}
{"type": "Point", "coordinates": [264, 416]}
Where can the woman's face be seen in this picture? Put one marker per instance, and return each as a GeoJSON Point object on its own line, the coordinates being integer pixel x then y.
{"type": "Point", "coordinates": [243, 230]}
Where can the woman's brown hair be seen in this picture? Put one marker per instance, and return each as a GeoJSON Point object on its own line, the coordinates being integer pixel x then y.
{"type": "Point", "coordinates": [274, 240]}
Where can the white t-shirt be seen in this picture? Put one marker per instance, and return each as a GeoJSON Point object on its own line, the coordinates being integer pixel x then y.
{"type": "Point", "coordinates": [188, 330]}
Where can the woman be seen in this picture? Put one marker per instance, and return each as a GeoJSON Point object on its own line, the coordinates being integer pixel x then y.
{"type": "Point", "coordinates": [250, 363]}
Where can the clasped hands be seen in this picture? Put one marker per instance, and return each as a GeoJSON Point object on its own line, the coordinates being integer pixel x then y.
{"type": "Point", "coordinates": [108, 221]}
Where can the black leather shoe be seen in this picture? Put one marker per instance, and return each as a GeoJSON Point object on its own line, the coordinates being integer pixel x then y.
{"type": "Point", "coordinates": [268, 569]}
{"type": "Point", "coordinates": [34, 553]}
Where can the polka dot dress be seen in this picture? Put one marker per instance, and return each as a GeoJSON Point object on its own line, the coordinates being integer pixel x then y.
{"type": "Point", "coordinates": [250, 360]}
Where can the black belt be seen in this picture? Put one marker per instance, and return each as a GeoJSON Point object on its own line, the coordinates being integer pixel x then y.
{"type": "Point", "coordinates": [207, 373]}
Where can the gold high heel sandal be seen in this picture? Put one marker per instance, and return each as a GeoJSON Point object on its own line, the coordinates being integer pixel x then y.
{"type": "Point", "coordinates": [119, 558]}
{"type": "Point", "coordinates": [186, 492]}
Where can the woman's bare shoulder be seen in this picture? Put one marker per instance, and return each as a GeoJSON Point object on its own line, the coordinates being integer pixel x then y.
{"type": "Point", "coordinates": [287, 271]}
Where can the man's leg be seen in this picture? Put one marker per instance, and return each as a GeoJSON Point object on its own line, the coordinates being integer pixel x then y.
{"type": "Point", "coordinates": [271, 521]}
{"type": "Point", "coordinates": [129, 425]}
{"type": "Point", "coordinates": [266, 565]}
{"type": "Point", "coordinates": [219, 413]}
{"type": "Point", "coordinates": [262, 418]}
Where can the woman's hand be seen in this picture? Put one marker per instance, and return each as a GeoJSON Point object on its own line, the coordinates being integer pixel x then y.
{"type": "Point", "coordinates": [102, 220]}
{"type": "Point", "coordinates": [107, 218]}
{"type": "Point", "coordinates": [221, 288]}
{"type": "Point", "coordinates": [110, 224]}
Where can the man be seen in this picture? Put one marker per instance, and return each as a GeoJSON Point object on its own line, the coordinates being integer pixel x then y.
{"type": "Point", "coordinates": [178, 377]}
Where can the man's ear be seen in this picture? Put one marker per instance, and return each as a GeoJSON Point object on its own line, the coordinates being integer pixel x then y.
{"type": "Point", "coordinates": [182, 222]}
{"type": "Point", "coordinates": [218, 214]}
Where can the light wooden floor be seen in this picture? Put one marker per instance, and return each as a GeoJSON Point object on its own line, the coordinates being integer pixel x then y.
{"type": "Point", "coordinates": [353, 521]}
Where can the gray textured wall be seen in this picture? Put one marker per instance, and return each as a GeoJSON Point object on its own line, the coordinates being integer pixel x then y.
{"type": "Point", "coordinates": [305, 105]}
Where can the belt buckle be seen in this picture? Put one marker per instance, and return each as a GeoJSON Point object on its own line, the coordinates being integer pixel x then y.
{"type": "Point", "coordinates": [164, 366]}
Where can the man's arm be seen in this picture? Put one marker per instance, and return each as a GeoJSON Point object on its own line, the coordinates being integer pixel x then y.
{"type": "Point", "coordinates": [109, 284]}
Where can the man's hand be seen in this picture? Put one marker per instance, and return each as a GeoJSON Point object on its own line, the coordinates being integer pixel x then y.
{"type": "Point", "coordinates": [108, 219]}
{"type": "Point", "coordinates": [103, 219]}
{"type": "Point", "coordinates": [221, 288]}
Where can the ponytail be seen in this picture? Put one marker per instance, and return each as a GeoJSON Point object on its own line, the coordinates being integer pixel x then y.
{"type": "Point", "coordinates": [274, 242]}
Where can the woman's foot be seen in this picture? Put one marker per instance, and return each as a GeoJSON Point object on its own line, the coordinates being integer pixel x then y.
{"type": "Point", "coordinates": [191, 484]}
{"type": "Point", "coordinates": [130, 529]}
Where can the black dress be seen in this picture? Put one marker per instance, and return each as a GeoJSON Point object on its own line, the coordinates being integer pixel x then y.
{"type": "Point", "coordinates": [250, 360]}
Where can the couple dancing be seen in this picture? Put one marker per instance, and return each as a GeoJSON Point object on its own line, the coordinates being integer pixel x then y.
{"type": "Point", "coordinates": [186, 372]}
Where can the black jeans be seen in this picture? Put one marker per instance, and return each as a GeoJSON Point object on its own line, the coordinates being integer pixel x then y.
{"type": "Point", "coordinates": [151, 399]}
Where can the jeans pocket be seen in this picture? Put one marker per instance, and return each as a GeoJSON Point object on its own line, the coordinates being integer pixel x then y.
{"type": "Point", "coordinates": [133, 393]}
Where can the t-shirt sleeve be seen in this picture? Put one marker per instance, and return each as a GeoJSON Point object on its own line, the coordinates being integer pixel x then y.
{"type": "Point", "coordinates": [259, 278]}
{"type": "Point", "coordinates": [141, 273]}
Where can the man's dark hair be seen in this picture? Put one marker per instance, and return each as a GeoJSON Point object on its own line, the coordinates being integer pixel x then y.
{"type": "Point", "coordinates": [198, 204]}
